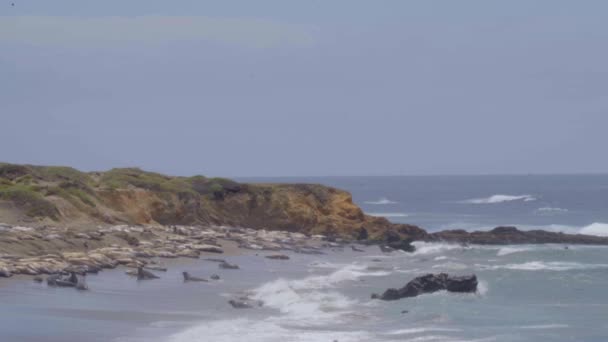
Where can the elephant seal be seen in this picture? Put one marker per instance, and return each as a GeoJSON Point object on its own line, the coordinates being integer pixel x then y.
{"type": "Point", "coordinates": [355, 249]}
{"type": "Point", "coordinates": [188, 277]}
{"type": "Point", "coordinates": [145, 275]}
{"type": "Point", "coordinates": [228, 266]}
{"type": "Point", "coordinates": [215, 277]}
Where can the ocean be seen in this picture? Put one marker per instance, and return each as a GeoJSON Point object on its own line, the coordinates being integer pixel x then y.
{"type": "Point", "coordinates": [526, 292]}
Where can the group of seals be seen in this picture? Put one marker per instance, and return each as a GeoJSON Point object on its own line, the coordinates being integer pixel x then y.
{"type": "Point", "coordinates": [71, 280]}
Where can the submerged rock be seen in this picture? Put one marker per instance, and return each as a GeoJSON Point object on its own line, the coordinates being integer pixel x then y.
{"type": "Point", "coordinates": [430, 283]}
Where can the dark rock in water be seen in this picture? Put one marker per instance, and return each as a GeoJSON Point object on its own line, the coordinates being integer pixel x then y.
{"type": "Point", "coordinates": [404, 245]}
{"type": "Point", "coordinates": [145, 275]}
{"type": "Point", "coordinates": [512, 235]}
{"type": "Point", "coordinates": [386, 249]}
{"type": "Point", "coordinates": [430, 283]}
{"type": "Point", "coordinates": [391, 236]}
{"type": "Point", "coordinates": [188, 277]}
{"type": "Point", "coordinates": [228, 266]}
{"type": "Point", "coordinates": [355, 249]}
{"type": "Point", "coordinates": [405, 311]}
{"type": "Point", "coordinates": [243, 303]}
{"type": "Point", "coordinates": [277, 257]}
{"type": "Point", "coordinates": [215, 277]}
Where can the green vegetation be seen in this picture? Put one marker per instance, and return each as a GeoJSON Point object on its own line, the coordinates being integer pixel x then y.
{"type": "Point", "coordinates": [33, 188]}
{"type": "Point", "coordinates": [29, 199]}
{"type": "Point", "coordinates": [133, 177]}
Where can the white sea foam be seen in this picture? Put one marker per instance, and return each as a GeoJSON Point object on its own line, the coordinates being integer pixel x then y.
{"type": "Point", "coordinates": [542, 265]}
{"type": "Point", "coordinates": [388, 214]}
{"type": "Point", "coordinates": [268, 330]}
{"type": "Point", "coordinates": [551, 210]}
{"type": "Point", "coordinates": [500, 199]}
{"type": "Point", "coordinates": [441, 257]}
{"type": "Point", "coordinates": [423, 248]}
{"type": "Point", "coordinates": [599, 229]}
{"type": "Point", "coordinates": [544, 326]}
{"type": "Point", "coordinates": [482, 287]}
{"type": "Point", "coordinates": [450, 266]}
{"type": "Point", "coordinates": [510, 250]}
{"type": "Point", "coordinates": [412, 331]}
{"type": "Point", "coordinates": [381, 201]}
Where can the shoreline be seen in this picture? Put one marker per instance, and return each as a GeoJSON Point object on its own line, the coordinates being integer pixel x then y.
{"type": "Point", "coordinates": [28, 251]}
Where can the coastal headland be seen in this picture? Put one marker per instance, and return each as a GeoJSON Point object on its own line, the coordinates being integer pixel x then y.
{"type": "Point", "coordinates": [57, 219]}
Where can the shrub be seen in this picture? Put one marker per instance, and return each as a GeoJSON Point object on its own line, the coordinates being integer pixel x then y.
{"type": "Point", "coordinates": [30, 200]}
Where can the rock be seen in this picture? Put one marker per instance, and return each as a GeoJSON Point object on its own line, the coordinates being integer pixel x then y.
{"type": "Point", "coordinates": [512, 235]}
{"type": "Point", "coordinates": [215, 277]}
{"type": "Point", "coordinates": [228, 266]}
{"type": "Point", "coordinates": [362, 234]}
{"type": "Point", "coordinates": [243, 303]}
{"type": "Point", "coordinates": [188, 277]}
{"type": "Point", "coordinates": [277, 257]}
{"type": "Point", "coordinates": [386, 249]}
{"type": "Point", "coordinates": [404, 245]}
{"type": "Point", "coordinates": [430, 283]}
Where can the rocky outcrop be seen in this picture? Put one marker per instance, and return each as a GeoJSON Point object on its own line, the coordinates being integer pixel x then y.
{"type": "Point", "coordinates": [512, 235]}
{"type": "Point", "coordinates": [430, 283]}
{"type": "Point", "coordinates": [63, 195]}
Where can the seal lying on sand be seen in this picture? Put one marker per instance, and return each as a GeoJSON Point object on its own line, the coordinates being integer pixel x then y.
{"type": "Point", "coordinates": [188, 277]}
{"type": "Point", "coordinates": [145, 275]}
{"type": "Point", "coordinates": [355, 249]}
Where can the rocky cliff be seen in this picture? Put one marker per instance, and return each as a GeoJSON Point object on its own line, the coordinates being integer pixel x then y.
{"type": "Point", "coordinates": [66, 196]}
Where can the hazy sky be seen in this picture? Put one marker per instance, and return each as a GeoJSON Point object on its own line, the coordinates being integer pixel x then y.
{"type": "Point", "coordinates": [315, 87]}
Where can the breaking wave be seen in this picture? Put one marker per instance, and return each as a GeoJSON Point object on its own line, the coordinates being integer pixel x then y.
{"type": "Point", "coordinates": [599, 229]}
{"type": "Point", "coordinates": [382, 200]}
{"type": "Point", "coordinates": [500, 199]}
{"type": "Point", "coordinates": [423, 248]}
{"type": "Point", "coordinates": [544, 266]}
{"type": "Point", "coordinates": [551, 211]}
{"type": "Point", "coordinates": [510, 250]}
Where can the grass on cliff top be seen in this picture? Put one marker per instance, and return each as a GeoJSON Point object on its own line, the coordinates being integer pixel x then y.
{"type": "Point", "coordinates": [124, 178]}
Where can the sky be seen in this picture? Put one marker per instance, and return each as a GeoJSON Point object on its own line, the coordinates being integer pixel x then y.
{"type": "Point", "coordinates": [306, 88]}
